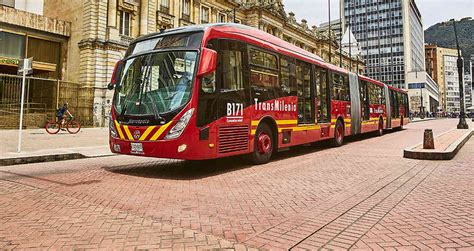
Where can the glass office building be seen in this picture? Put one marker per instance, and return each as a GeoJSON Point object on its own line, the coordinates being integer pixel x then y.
{"type": "Point", "coordinates": [390, 34]}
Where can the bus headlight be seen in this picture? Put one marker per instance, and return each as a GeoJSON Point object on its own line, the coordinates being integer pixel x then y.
{"type": "Point", "coordinates": [113, 131]}
{"type": "Point", "coordinates": [180, 126]}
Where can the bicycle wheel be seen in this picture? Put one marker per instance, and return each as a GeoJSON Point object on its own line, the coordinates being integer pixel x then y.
{"type": "Point", "coordinates": [52, 127]}
{"type": "Point", "coordinates": [73, 127]}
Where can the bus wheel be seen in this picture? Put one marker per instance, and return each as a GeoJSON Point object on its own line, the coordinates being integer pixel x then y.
{"type": "Point", "coordinates": [338, 134]}
{"type": "Point", "coordinates": [263, 145]}
{"type": "Point", "coordinates": [380, 130]}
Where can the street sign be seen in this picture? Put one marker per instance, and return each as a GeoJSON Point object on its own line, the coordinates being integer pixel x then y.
{"type": "Point", "coordinates": [26, 65]}
{"type": "Point", "coordinates": [24, 68]}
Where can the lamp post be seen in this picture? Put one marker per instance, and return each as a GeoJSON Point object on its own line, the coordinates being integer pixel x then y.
{"type": "Point", "coordinates": [462, 119]}
{"type": "Point", "coordinates": [422, 107]}
{"type": "Point", "coordinates": [329, 29]}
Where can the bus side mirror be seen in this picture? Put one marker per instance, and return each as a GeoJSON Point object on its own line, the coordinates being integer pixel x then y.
{"type": "Point", "coordinates": [116, 75]}
{"type": "Point", "coordinates": [208, 62]}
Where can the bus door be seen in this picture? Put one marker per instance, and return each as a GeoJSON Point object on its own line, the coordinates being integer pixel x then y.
{"type": "Point", "coordinates": [323, 115]}
{"type": "Point", "coordinates": [228, 100]}
{"type": "Point", "coordinates": [355, 103]}
{"type": "Point", "coordinates": [305, 93]}
{"type": "Point", "coordinates": [364, 99]}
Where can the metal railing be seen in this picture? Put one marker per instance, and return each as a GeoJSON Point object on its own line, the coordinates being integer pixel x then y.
{"type": "Point", "coordinates": [42, 98]}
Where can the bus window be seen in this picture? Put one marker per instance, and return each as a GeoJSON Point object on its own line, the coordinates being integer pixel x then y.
{"type": "Point", "coordinates": [305, 100]}
{"type": "Point", "coordinates": [321, 81]}
{"type": "Point", "coordinates": [263, 75]}
{"type": "Point", "coordinates": [287, 77]}
{"type": "Point", "coordinates": [340, 87]}
{"type": "Point", "coordinates": [263, 59]}
{"type": "Point", "coordinates": [231, 76]}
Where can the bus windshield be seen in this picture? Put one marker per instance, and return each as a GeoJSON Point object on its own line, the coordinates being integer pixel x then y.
{"type": "Point", "coordinates": [156, 83]}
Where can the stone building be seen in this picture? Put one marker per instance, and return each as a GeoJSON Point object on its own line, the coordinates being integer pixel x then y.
{"type": "Point", "coordinates": [99, 32]}
{"type": "Point", "coordinates": [25, 33]}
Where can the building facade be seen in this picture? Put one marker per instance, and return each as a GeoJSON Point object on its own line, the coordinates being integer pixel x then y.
{"type": "Point", "coordinates": [390, 34]}
{"type": "Point", "coordinates": [423, 93]}
{"type": "Point", "coordinates": [468, 85]}
{"type": "Point", "coordinates": [436, 67]}
{"type": "Point", "coordinates": [99, 32]}
{"type": "Point", "coordinates": [451, 79]}
{"type": "Point", "coordinates": [26, 33]}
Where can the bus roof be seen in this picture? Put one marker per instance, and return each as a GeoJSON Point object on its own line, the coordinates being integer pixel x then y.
{"type": "Point", "coordinates": [258, 36]}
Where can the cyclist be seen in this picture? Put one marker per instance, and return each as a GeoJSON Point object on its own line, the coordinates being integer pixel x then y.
{"type": "Point", "coordinates": [62, 113]}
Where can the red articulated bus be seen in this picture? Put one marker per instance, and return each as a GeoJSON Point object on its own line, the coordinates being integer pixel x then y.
{"type": "Point", "coordinates": [212, 91]}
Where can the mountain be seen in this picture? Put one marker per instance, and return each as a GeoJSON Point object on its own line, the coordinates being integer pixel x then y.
{"type": "Point", "coordinates": [442, 34]}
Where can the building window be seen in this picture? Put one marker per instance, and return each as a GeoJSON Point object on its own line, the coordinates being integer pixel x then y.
{"type": "Point", "coordinates": [9, 3]}
{"type": "Point", "coordinates": [165, 6]}
{"type": "Point", "coordinates": [205, 14]}
{"type": "Point", "coordinates": [187, 10]}
{"type": "Point", "coordinates": [222, 18]}
{"type": "Point", "coordinates": [13, 45]}
{"type": "Point", "coordinates": [125, 23]}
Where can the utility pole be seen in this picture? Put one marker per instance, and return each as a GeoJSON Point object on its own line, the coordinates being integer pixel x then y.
{"type": "Point", "coordinates": [329, 29]}
{"type": "Point", "coordinates": [422, 107]}
{"type": "Point", "coordinates": [350, 42]}
{"type": "Point", "coordinates": [340, 37]}
{"type": "Point", "coordinates": [462, 119]}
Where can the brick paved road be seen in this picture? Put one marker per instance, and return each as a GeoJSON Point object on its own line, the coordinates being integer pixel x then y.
{"type": "Point", "coordinates": [363, 195]}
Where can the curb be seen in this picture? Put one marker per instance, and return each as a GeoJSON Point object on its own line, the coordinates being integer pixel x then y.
{"type": "Point", "coordinates": [422, 120]}
{"type": "Point", "coordinates": [448, 154]}
{"type": "Point", "coordinates": [46, 158]}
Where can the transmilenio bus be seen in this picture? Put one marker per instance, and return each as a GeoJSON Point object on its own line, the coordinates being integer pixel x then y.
{"type": "Point", "coordinates": [211, 91]}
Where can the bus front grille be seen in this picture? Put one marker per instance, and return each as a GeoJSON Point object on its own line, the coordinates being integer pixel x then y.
{"type": "Point", "coordinates": [233, 138]}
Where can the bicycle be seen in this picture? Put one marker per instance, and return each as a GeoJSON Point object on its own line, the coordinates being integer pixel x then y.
{"type": "Point", "coordinates": [72, 126]}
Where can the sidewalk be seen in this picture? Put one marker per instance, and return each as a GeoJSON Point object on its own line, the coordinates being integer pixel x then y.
{"type": "Point", "coordinates": [89, 142]}
{"type": "Point", "coordinates": [446, 145]}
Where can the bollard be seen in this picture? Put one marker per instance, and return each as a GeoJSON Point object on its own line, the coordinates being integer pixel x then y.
{"type": "Point", "coordinates": [428, 140]}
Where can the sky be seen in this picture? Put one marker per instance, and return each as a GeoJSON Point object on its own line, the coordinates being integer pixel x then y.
{"type": "Point", "coordinates": [432, 11]}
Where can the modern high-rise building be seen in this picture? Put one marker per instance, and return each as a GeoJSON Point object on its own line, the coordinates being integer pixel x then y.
{"type": "Point", "coordinates": [390, 34]}
{"type": "Point", "coordinates": [469, 85]}
{"type": "Point", "coordinates": [440, 70]}
{"type": "Point", "coordinates": [335, 27]}
{"type": "Point", "coordinates": [451, 79]}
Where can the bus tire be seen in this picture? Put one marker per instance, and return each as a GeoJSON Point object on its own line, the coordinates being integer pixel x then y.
{"type": "Point", "coordinates": [380, 129]}
{"type": "Point", "coordinates": [263, 145]}
{"type": "Point", "coordinates": [338, 134]}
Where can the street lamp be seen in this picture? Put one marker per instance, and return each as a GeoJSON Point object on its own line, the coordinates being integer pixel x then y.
{"type": "Point", "coordinates": [462, 119]}
{"type": "Point", "coordinates": [233, 11]}
{"type": "Point", "coordinates": [422, 107]}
